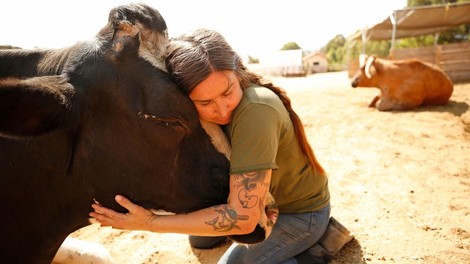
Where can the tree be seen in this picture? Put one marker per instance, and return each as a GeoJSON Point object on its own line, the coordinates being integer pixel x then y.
{"type": "Point", "coordinates": [290, 46]}
{"type": "Point", "coordinates": [252, 60]}
{"type": "Point", "coordinates": [411, 3]}
{"type": "Point", "coordinates": [335, 51]}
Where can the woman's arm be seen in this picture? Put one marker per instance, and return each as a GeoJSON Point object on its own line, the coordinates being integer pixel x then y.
{"type": "Point", "coordinates": [240, 215]}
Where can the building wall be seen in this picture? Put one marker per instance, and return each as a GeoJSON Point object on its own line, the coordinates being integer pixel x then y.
{"type": "Point", "coordinates": [315, 64]}
{"type": "Point", "coordinates": [285, 63]}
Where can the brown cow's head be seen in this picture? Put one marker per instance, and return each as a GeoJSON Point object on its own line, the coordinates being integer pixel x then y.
{"type": "Point", "coordinates": [365, 73]}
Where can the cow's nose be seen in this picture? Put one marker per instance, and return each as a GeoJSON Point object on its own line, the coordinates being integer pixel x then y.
{"type": "Point", "coordinates": [354, 83]}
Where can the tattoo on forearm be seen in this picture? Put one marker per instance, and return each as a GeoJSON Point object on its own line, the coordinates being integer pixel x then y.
{"type": "Point", "coordinates": [227, 219]}
{"type": "Point", "coordinates": [248, 182]}
{"type": "Point", "coordinates": [248, 197]}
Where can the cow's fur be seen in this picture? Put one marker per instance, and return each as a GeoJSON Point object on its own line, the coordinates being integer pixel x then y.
{"type": "Point", "coordinates": [403, 84]}
{"type": "Point", "coordinates": [89, 121]}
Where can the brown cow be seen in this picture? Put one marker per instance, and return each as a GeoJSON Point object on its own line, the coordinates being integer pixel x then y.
{"type": "Point", "coordinates": [403, 84]}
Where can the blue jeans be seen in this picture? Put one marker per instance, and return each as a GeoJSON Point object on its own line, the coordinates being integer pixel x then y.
{"type": "Point", "coordinates": [292, 234]}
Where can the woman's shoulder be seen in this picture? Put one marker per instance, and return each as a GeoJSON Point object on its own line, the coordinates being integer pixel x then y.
{"type": "Point", "coordinates": [260, 94]}
{"type": "Point", "coordinates": [262, 101]}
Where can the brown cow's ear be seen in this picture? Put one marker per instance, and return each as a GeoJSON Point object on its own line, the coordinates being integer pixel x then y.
{"type": "Point", "coordinates": [36, 106]}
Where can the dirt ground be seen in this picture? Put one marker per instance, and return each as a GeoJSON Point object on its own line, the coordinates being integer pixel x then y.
{"type": "Point", "coordinates": [400, 181]}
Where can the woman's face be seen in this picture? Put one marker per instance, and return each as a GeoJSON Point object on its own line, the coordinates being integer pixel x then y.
{"type": "Point", "coordinates": [217, 96]}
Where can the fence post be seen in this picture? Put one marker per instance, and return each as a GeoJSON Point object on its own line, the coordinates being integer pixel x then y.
{"type": "Point", "coordinates": [438, 55]}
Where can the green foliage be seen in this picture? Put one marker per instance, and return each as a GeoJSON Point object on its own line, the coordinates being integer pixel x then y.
{"type": "Point", "coordinates": [339, 51]}
{"type": "Point", "coordinates": [422, 2]}
{"type": "Point", "coordinates": [290, 46]}
{"type": "Point", "coordinates": [411, 3]}
{"type": "Point", "coordinates": [379, 48]}
{"type": "Point", "coordinates": [252, 60]}
{"type": "Point", "coordinates": [414, 42]}
{"type": "Point", "coordinates": [8, 47]}
{"type": "Point", "coordinates": [335, 51]}
{"type": "Point", "coordinates": [459, 34]}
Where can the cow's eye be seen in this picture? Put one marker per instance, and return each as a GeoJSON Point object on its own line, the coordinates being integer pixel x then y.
{"type": "Point", "coordinates": [165, 121]}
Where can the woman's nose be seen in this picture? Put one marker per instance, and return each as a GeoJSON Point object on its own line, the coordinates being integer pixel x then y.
{"type": "Point", "coordinates": [221, 107]}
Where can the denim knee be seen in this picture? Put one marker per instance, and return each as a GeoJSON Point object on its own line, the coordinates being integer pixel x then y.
{"type": "Point", "coordinates": [203, 242]}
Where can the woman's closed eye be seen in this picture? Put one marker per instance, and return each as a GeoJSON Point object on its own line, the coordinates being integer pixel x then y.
{"type": "Point", "coordinates": [225, 95]}
{"type": "Point", "coordinates": [228, 93]}
{"type": "Point", "coordinates": [204, 103]}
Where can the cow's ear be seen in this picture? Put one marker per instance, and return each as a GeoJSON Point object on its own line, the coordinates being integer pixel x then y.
{"type": "Point", "coordinates": [35, 106]}
{"type": "Point", "coordinates": [125, 38]}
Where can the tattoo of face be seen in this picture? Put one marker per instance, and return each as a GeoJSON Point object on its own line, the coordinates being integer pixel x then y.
{"type": "Point", "coordinates": [227, 220]}
{"type": "Point", "coordinates": [248, 182]}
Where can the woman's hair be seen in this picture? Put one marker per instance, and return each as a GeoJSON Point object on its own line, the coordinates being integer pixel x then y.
{"type": "Point", "coordinates": [192, 57]}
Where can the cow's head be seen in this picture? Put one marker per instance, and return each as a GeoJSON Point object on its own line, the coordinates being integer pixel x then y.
{"type": "Point", "coordinates": [122, 123]}
{"type": "Point", "coordinates": [365, 73]}
{"type": "Point", "coordinates": [110, 120]}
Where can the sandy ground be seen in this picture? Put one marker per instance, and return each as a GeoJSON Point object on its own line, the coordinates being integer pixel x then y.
{"type": "Point", "coordinates": [400, 181]}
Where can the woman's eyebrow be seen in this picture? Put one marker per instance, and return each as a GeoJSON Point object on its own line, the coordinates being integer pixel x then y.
{"type": "Point", "coordinates": [229, 86]}
{"type": "Point", "coordinates": [201, 101]}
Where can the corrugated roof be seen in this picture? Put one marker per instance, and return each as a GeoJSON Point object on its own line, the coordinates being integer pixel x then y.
{"type": "Point", "coordinates": [416, 21]}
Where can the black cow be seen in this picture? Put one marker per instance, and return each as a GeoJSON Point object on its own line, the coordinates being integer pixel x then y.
{"type": "Point", "coordinates": [92, 120]}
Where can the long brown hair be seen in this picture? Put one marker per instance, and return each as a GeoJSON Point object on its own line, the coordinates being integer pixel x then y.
{"type": "Point", "coordinates": [192, 57]}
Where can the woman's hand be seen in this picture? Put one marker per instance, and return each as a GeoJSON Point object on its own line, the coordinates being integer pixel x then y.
{"type": "Point", "coordinates": [138, 218]}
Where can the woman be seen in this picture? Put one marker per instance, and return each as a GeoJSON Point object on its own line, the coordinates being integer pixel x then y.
{"type": "Point", "coordinates": [269, 150]}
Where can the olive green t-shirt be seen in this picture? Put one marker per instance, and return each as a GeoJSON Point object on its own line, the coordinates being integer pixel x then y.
{"type": "Point", "coordinates": [262, 137]}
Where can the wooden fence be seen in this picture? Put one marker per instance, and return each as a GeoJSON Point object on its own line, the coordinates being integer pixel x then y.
{"type": "Point", "coordinates": [454, 59]}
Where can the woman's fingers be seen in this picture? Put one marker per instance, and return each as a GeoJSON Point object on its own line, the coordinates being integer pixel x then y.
{"type": "Point", "coordinates": [108, 217]}
{"type": "Point", "coordinates": [126, 203]}
{"type": "Point", "coordinates": [102, 215]}
{"type": "Point", "coordinates": [101, 210]}
{"type": "Point", "coordinates": [137, 217]}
